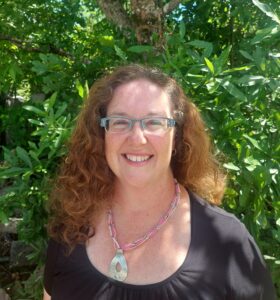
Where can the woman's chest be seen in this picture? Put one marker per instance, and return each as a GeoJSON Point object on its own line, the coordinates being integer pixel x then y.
{"type": "Point", "coordinates": [153, 261]}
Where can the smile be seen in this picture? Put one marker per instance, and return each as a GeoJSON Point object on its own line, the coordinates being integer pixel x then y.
{"type": "Point", "coordinates": [137, 158]}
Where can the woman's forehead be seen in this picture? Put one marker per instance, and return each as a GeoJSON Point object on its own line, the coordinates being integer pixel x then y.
{"type": "Point", "coordinates": [139, 86]}
{"type": "Point", "coordinates": [140, 96]}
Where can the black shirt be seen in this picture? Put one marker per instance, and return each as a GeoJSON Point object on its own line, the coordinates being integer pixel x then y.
{"type": "Point", "coordinates": [223, 263]}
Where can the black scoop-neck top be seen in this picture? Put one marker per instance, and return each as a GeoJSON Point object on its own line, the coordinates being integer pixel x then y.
{"type": "Point", "coordinates": [223, 262]}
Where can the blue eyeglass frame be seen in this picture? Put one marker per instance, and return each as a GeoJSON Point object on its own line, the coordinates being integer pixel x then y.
{"type": "Point", "coordinates": [170, 122]}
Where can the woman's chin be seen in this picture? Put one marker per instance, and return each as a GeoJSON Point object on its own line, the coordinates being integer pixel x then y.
{"type": "Point", "coordinates": [135, 181]}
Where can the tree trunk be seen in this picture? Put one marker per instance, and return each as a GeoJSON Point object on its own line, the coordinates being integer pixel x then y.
{"type": "Point", "coordinates": [144, 17]}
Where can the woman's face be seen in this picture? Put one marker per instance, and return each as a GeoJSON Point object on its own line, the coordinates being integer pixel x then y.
{"type": "Point", "coordinates": [135, 157]}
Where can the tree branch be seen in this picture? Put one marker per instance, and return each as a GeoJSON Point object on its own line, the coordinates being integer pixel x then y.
{"type": "Point", "coordinates": [27, 46]}
{"type": "Point", "coordinates": [168, 7]}
{"type": "Point", "coordinates": [115, 12]}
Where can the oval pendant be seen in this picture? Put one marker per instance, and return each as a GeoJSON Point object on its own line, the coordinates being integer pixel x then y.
{"type": "Point", "coordinates": [118, 266]}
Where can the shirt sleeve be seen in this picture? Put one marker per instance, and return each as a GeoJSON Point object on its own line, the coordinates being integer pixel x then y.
{"type": "Point", "coordinates": [249, 276]}
{"type": "Point", "coordinates": [52, 252]}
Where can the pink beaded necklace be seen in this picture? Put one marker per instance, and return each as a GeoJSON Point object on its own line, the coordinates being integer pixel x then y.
{"type": "Point", "coordinates": [118, 266]}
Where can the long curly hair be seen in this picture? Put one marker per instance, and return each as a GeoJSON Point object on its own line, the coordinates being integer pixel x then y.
{"type": "Point", "coordinates": [84, 184]}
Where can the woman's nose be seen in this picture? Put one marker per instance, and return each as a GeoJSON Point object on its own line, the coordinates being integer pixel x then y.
{"type": "Point", "coordinates": [137, 134]}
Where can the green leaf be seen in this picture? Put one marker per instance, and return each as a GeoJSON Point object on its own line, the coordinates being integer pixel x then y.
{"type": "Point", "coordinates": [35, 110]}
{"type": "Point", "coordinates": [212, 85]}
{"type": "Point", "coordinates": [261, 220]}
{"type": "Point", "coordinates": [60, 110]}
{"type": "Point", "coordinates": [3, 218]}
{"type": "Point", "coordinates": [209, 65]}
{"type": "Point", "coordinates": [80, 89]}
{"type": "Point", "coordinates": [244, 196]}
{"type": "Point", "coordinates": [274, 173]}
{"type": "Point", "coordinates": [32, 145]}
{"type": "Point", "coordinates": [231, 166]}
{"type": "Point", "coordinates": [267, 257]}
{"type": "Point", "coordinates": [34, 155]}
{"type": "Point", "coordinates": [252, 161]}
{"type": "Point", "coordinates": [250, 80]}
{"type": "Point", "coordinates": [222, 60]}
{"type": "Point", "coordinates": [253, 142]}
{"type": "Point", "coordinates": [140, 49]}
{"type": "Point", "coordinates": [233, 90]}
{"type": "Point", "coordinates": [265, 33]}
{"type": "Point", "coordinates": [274, 55]}
{"type": "Point", "coordinates": [182, 29]}
{"type": "Point", "coordinates": [251, 168]}
{"type": "Point", "coordinates": [9, 156]}
{"type": "Point", "coordinates": [86, 90]}
{"type": "Point", "coordinates": [49, 103]}
{"type": "Point", "coordinates": [39, 68]}
{"type": "Point", "coordinates": [120, 53]}
{"type": "Point", "coordinates": [106, 40]}
{"type": "Point", "coordinates": [11, 172]}
{"type": "Point", "coordinates": [246, 55]}
{"type": "Point", "coordinates": [36, 122]}
{"type": "Point", "coordinates": [267, 10]}
{"type": "Point", "coordinates": [237, 69]}
{"type": "Point", "coordinates": [23, 155]}
{"type": "Point", "coordinates": [208, 47]}
{"type": "Point", "coordinates": [276, 234]}
{"type": "Point", "coordinates": [12, 72]}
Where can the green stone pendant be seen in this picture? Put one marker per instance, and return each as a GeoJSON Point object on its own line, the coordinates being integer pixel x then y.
{"type": "Point", "coordinates": [118, 266]}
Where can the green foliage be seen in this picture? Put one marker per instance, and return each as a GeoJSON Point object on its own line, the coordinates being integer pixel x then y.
{"type": "Point", "coordinates": [27, 172]}
{"type": "Point", "coordinates": [226, 56]}
{"type": "Point", "coordinates": [31, 289]}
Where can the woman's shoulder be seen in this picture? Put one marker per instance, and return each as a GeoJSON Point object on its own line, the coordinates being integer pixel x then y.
{"type": "Point", "coordinates": [216, 220]}
{"type": "Point", "coordinates": [200, 205]}
{"type": "Point", "coordinates": [59, 250]}
{"type": "Point", "coordinates": [229, 247]}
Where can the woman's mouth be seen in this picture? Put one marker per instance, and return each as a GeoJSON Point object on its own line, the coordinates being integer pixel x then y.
{"type": "Point", "coordinates": [137, 158]}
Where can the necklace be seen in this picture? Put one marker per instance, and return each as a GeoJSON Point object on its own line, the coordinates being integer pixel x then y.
{"type": "Point", "coordinates": [118, 266]}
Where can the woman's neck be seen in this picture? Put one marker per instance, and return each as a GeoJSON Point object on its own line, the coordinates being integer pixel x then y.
{"type": "Point", "coordinates": [137, 200]}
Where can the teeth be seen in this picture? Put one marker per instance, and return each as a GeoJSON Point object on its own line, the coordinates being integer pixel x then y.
{"type": "Point", "coordinates": [137, 158]}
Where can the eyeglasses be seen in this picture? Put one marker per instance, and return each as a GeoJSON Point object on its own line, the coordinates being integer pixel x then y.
{"type": "Point", "coordinates": [153, 125]}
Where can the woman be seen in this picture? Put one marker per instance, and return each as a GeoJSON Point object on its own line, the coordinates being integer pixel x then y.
{"type": "Point", "coordinates": [127, 221]}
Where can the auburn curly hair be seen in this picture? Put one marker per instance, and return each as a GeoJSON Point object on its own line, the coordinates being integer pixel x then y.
{"type": "Point", "coordinates": [84, 183]}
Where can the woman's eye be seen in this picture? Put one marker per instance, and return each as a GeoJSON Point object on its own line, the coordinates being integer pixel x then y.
{"type": "Point", "coordinates": [119, 122]}
{"type": "Point", "coordinates": [154, 122]}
